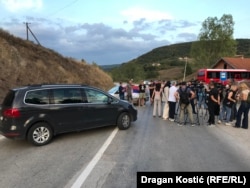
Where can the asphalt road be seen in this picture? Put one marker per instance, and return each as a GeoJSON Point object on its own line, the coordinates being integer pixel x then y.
{"type": "Point", "coordinates": [86, 159]}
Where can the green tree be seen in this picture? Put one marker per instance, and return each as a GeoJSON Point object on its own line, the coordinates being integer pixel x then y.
{"type": "Point", "coordinates": [128, 71]}
{"type": "Point", "coordinates": [214, 41]}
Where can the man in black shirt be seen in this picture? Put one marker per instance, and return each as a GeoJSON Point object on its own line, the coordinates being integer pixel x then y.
{"type": "Point", "coordinates": [213, 101]}
{"type": "Point", "coordinates": [121, 91]}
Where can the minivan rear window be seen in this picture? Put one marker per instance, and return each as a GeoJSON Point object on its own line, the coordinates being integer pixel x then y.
{"type": "Point", "coordinates": [9, 98]}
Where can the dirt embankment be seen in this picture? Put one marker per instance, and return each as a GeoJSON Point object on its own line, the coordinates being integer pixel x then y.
{"type": "Point", "coordinates": [23, 62]}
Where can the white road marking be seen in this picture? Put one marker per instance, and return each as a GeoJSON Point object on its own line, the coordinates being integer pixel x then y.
{"type": "Point", "coordinates": [2, 137]}
{"type": "Point", "coordinates": [84, 174]}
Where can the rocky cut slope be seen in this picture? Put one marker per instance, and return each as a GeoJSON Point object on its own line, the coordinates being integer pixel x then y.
{"type": "Point", "coordinates": [23, 62]}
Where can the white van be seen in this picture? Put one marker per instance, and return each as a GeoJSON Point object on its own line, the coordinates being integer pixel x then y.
{"type": "Point", "coordinates": [135, 95]}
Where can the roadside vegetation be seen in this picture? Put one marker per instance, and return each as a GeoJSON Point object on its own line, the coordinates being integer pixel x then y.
{"type": "Point", "coordinates": [168, 62]}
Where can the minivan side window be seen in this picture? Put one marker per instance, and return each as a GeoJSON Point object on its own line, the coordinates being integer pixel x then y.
{"type": "Point", "coordinates": [67, 96]}
{"type": "Point", "coordinates": [39, 97]}
{"type": "Point", "coordinates": [94, 96]}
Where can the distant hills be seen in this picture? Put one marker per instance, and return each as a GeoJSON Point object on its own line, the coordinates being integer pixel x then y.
{"type": "Point", "coordinates": [170, 59]}
{"type": "Point", "coordinates": [175, 51]}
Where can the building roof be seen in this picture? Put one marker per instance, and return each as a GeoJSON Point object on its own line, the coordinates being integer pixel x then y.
{"type": "Point", "coordinates": [237, 63]}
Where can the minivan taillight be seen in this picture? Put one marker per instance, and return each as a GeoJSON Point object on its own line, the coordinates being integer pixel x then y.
{"type": "Point", "coordinates": [11, 113]}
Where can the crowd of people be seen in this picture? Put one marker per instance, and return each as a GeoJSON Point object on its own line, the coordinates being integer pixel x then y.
{"type": "Point", "coordinates": [225, 105]}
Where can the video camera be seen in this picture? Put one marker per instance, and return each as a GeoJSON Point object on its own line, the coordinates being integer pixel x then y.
{"type": "Point", "coordinates": [196, 85]}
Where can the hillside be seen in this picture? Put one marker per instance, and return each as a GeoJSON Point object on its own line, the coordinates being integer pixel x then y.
{"type": "Point", "coordinates": [170, 55]}
{"type": "Point", "coordinates": [166, 63]}
{"type": "Point", "coordinates": [175, 51]}
{"type": "Point", "coordinates": [23, 62]}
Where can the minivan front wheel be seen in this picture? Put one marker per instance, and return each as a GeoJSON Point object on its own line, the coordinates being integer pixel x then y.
{"type": "Point", "coordinates": [40, 134]}
{"type": "Point", "coordinates": [124, 121]}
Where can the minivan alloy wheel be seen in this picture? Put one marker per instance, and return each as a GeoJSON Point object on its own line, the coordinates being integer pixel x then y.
{"type": "Point", "coordinates": [124, 121]}
{"type": "Point", "coordinates": [40, 134]}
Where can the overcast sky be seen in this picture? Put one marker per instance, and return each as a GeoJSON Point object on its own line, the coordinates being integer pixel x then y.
{"type": "Point", "coordinates": [115, 31]}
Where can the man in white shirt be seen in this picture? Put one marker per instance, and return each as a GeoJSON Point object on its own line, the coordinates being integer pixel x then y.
{"type": "Point", "coordinates": [172, 100]}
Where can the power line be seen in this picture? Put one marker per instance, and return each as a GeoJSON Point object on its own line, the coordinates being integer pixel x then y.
{"type": "Point", "coordinates": [66, 6]}
{"type": "Point", "coordinates": [27, 24]}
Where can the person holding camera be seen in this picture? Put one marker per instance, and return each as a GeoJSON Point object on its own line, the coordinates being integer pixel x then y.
{"type": "Point", "coordinates": [201, 95]}
{"type": "Point", "coordinates": [193, 88]}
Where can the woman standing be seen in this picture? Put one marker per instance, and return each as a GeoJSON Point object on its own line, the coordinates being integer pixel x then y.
{"type": "Point", "coordinates": [227, 103]}
{"type": "Point", "coordinates": [244, 107]}
{"type": "Point", "coordinates": [157, 99]}
{"type": "Point", "coordinates": [165, 95]}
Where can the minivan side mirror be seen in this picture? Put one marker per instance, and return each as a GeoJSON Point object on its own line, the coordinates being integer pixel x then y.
{"type": "Point", "coordinates": [110, 100]}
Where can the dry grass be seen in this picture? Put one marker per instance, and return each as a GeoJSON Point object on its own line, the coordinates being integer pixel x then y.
{"type": "Point", "coordinates": [23, 62]}
{"type": "Point", "coordinates": [171, 74]}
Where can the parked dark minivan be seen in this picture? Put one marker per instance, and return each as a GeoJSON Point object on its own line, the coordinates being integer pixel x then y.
{"type": "Point", "coordinates": [39, 112]}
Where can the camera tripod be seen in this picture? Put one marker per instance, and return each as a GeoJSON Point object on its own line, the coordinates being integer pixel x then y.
{"type": "Point", "coordinates": [202, 110]}
{"type": "Point", "coordinates": [186, 116]}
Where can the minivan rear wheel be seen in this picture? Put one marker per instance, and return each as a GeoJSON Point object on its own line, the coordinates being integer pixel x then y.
{"type": "Point", "coordinates": [40, 134]}
{"type": "Point", "coordinates": [124, 121]}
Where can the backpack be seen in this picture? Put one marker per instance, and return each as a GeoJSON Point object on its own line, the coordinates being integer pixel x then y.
{"type": "Point", "coordinates": [184, 96]}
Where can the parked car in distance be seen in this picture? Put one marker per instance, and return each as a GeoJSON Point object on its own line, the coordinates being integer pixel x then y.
{"type": "Point", "coordinates": [39, 112]}
{"type": "Point", "coordinates": [135, 95]}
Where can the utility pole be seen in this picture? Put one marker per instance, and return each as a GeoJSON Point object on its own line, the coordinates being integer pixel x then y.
{"type": "Point", "coordinates": [28, 29]}
{"type": "Point", "coordinates": [27, 33]}
{"type": "Point", "coordinates": [185, 69]}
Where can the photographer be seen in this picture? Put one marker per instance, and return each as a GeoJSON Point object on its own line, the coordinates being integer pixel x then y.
{"type": "Point", "coordinates": [185, 96]}
{"type": "Point", "coordinates": [192, 86]}
{"type": "Point", "coordinates": [201, 95]}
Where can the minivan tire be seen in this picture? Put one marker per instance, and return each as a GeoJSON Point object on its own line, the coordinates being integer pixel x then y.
{"type": "Point", "coordinates": [124, 121]}
{"type": "Point", "coordinates": [40, 134]}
